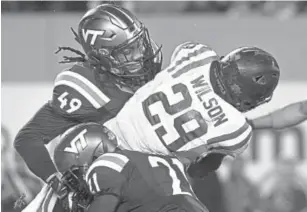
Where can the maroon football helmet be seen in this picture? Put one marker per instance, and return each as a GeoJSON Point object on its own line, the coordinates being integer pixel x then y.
{"type": "Point", "coordinates": [119, 44]}
{"type": "Point", "coordinates": [78, 147]}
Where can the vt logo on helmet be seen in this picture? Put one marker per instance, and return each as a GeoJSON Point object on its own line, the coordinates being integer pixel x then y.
{"type": "Point", "coordinates": [77, 148]}
{"type": "Point", "coordinates": [247, 77]}
{"type": "Point", "coordinates": [94, 34]}
{"type": "Point", "coordinates": [117, 43]}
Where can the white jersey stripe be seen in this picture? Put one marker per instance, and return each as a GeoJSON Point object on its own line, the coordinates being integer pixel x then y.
{"type": "Point", "coordinates": [104, 163]}
{"type": "Point", "coordinates": [194, 65]}
{"type": "Point", "coordinates": [234, 150]}
{"type": "Point", "coordinates": [186, 56]}
{"type": "Point", "coordinates": [52, 202]}
{"type": "Point", "coordinates": [234, 141]}
{"type": "Point", "coordinates": [186, 51]}
{"type": "Point", "coordinates": [81, 91]}
{"type": "Point", "coordinates": [119, 156]}
{"type": "Point", "coordinates": [118, 163]}
{"type": "Point", "coordinates": [96, 182]}
{"type": "Point", "coordinates": [46, 201]}
{"type": "Point", "coordinates": [86, 82]}
{"type": "Point", "coordinates": [83, 86]}
{"type": "Point", "coordinates": [229, 144]}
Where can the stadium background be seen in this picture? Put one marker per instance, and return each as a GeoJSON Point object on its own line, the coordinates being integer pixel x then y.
{"type": "Point", "coordinates": [272, 173]}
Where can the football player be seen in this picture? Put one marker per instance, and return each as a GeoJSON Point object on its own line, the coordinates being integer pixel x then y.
{"type": "Point", "coordinates": [117, 180]}
{"type": "Point", "coordinates": [119, 57]}
{"type": "Point", "coordinates": [194, 108]}
{"type": "Point", "coordinates": [287, 116]}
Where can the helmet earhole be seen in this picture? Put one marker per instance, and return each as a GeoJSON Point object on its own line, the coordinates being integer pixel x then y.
{"type": "Point", "coordinates": [260, 79]}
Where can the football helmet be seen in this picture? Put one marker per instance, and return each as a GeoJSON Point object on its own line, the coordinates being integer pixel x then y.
{"type": "Point", "coordinates": [246, 77]}
{"type": "Point", "coordinates": [117, 43]}
{"type": "Point", "coordinates": [78, 147]}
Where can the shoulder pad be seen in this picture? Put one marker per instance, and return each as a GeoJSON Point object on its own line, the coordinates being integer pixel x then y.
{"type": "Point", "coordinates": [106, 173]}
{"type": "Point", "coordinates": [190, 49]}
{"type": "Point", "coordinates": [113, 161]}
{"type": "Point", "coordinates": [189, 56]}
{"type": "Point", "coordinates": [76, 90]}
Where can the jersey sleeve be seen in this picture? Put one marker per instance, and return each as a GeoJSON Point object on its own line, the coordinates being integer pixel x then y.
{"type": "Point", "coordinates": [44, 126]}
{"type": "Point", "coordinates": [77, 94]}
{"type": "Point", "coordinates": [188, 56]}
{"type": "Point", "coordinates": [190, 49]}
{"type": "Point", "coordinates": [105, 176]}
{"type": "Point", "coordinates": [235, 139]}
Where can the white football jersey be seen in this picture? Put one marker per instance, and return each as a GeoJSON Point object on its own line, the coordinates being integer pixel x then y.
{"type": "Point", "coordinates": [179, 112]}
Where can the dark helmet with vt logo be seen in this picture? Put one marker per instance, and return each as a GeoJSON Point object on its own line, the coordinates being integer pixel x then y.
{"type": "Point", "coordinates": [117, 43]}
{"type": "Point", "coordinates": [77, 148]}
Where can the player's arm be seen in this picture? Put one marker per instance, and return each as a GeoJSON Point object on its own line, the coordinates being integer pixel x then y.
{"type": "Point", "coordinates": [75, 99]}
{"type": "Point", "coordinates": [107, 202]}
{"type": "Point", "coordinates": [30, 141]}
{"type": "Point", "coordinates": [106, 182]}
{"type": "Point", "coordinates": [287, 116]}
{"type": "Point", "coordinates": [206, 165]}
{"type": "Point", "coordinates": [229, 144]}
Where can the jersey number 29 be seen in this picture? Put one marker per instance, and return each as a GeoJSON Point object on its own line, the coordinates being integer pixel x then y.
{"type": "Point", "coordinates": [179, 121]}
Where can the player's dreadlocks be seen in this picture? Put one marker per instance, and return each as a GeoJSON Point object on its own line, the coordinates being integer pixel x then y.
{"type": "Point", "coordinates": [81, 58]}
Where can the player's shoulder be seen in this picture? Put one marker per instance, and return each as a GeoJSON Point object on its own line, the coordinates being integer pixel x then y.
{"type": "Point", "coordinates": [190, 56]}
{"type": "Point", "coordinates": [76, 89]}
{"type": "Point", "coordinates": [106, 172]}
{"type": "Point", "coordinates": [192, 49]}
{"type": "Point", "coordinates": [80, 71]}
{"type": "Point", "coordinates": [113, 162]}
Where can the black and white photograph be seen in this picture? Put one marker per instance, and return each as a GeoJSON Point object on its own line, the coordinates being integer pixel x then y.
{"type": "Point", "coordinates": [153, 106]}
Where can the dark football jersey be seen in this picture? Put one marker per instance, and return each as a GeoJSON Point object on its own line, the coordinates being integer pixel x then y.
{"type": "Point", "coordinates": [79, 95]}
{"type": "Point", "coordinates": [82, 94]}
{"type": "Point", "coordinates": [142, 182]}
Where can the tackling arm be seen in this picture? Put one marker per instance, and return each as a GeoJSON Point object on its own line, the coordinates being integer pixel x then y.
{"type": "Point", "coordinates": [206, 165]}
{"type": "Point", "coordinates": [287, 116]}
{"type": "Point", "coordinates": [109, 203]}
{"type": "Point", "coordinates": [31, 139]}
{"type": "Point", "coordinates": [231, 144]}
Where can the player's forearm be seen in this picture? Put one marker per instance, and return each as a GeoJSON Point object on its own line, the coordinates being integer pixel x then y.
{"type": "Point", "coordinates": [33, 151]}
{"type": "Point", "coordinates": [286, 117]}
{"type": "Point", "coordinates": [109, 203]}
{"type": "Point", "coordinates": [208, 164]}
{"type": "Point", "coordinates": [31, 139]}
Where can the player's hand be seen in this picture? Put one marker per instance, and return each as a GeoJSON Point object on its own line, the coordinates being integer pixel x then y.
{"type": "Point", "coordinates": [58, 186]}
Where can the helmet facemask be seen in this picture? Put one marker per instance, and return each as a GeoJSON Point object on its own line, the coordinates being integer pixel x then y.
{"type": "Point", "coordinates": [74, 179]}
{"type": "Point", "coordinates": [132, 63]}
{"type": "Point", "coordinates": [137, 61]}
